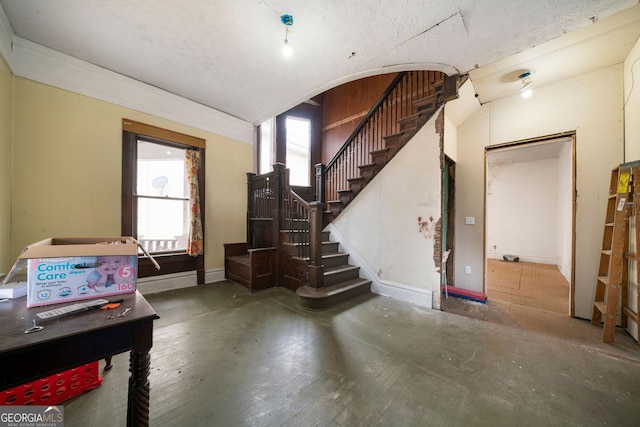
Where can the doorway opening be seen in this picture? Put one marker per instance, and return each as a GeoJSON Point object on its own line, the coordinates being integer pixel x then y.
{"type": "Point", "coordinates": [529, 223]}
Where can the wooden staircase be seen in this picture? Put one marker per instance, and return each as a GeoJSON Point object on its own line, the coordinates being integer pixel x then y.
{"type": "Point", "coordinates": [345, 175]}
{"type": "Point", "coordinates": [286, 245]}
{"type": "Point", "coordinates": [341, 279]}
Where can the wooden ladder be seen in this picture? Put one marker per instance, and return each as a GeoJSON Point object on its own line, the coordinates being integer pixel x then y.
{"type": "Point", "coordinates": [630, 290]}
{"type": "Point", "coordinates": [613, 267]}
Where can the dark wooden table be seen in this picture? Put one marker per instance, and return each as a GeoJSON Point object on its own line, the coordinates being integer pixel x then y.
{"type": "Point", "coordinates": [78, 339]}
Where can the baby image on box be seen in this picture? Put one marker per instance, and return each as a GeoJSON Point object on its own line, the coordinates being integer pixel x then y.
{"type": "Point", "coordinates": [111, 270]}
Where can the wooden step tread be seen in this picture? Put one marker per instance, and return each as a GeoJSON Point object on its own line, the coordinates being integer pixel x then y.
{"type": "Point", "coordinates": [368, 165]}
{"type": "Point", "coordinates": [601, 306]}
{"type": "Point", "coordinates": [327, 291]}
{"type": "Point", "coordinates": [339, 269]}
{"type": "Point", "coordinates": [334, 255]}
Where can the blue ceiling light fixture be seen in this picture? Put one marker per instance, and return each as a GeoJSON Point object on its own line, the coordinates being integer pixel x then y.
{"type": "Point", "coordinates": [525, 91]}
{"type": "Point", "coordinates": [287, 20]}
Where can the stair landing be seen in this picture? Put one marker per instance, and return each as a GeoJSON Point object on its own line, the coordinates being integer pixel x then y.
{"type": "Point", "coordinates": [328, 296]}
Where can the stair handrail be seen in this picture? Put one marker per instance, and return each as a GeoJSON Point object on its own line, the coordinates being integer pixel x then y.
{"type": "Point", "coordinates": [366, 118]}
{"type": "Point", "coordinates": [407, 103]}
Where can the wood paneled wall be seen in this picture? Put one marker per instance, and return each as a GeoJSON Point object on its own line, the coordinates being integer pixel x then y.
{"type": "Point", "coordinates": [343, 107]}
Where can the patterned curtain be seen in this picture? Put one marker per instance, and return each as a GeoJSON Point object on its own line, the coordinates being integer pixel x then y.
{"type": "Point", "coordinates": [196, 238]}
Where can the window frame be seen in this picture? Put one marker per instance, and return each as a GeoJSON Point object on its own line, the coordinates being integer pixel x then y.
{"type": "Point", "coordinates": [176, 262]}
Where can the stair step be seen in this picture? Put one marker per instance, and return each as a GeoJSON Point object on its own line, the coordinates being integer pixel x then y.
{"type": "Point", "coordinates": [428, 103]}
{"type": "Point", "coordinates": [328, 296]}
{"type": "Point", "coordinates": [414, 121]}
{"type": "Point", "coordinates": [238, 270]}
{"type": "Point", "coordinates": [381, 156]}
{"type": "Point", "coordinates": [335, 207]}
{"type": "Point", "coordinates": [356, 184]}
{"type": "Point", "coordinates": [438, 85]}
{"type": "Point", "coordinates": [334, 259]}
{"type": "Point", "coordinates": [346, 196]}
{"type": "Point", "coordinates": [341, 273]}
{"type": "Point", "coordinates": [410, 123]}
{"type": "Point", "coordinates": [329, 247]}
{"type": "Point", "coordinates": [369, 170]}
{"type": "Point", "coordinates": [393, 139]}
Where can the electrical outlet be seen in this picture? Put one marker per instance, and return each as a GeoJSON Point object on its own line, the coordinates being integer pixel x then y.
{"type": "Point", "coordinates": [467, 269]}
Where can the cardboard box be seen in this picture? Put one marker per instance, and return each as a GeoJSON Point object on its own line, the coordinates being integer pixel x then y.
{"type": "Point", "coordinates": [61, 270]}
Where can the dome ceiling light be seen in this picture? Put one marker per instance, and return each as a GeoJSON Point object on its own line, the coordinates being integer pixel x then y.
{"type": "Point", "coordinates": [525, 91]}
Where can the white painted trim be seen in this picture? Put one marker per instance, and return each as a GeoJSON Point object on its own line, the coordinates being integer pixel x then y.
{"type": "Point", "coordinates": [212, 276]}
{"type": "Point", "coordinates": [399, 291]}
{"type": "Point", "coordinates": [406, 293]}
{"type": "Point", "coordinates": [168, 282]}
{"type": "Point", "coordinates": [38, 63]}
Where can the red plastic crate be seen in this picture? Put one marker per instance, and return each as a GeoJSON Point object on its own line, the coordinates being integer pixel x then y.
{"type": "Point", "coordinates": [54, 389]}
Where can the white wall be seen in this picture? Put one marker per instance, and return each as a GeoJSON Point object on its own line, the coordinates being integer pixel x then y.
{"type": "Point", "coordinates": [632, 104]}
{"type": "Point", "coordinates": [632, 153]}
{"type": "Point", "coordinates": [590, 104]}
{"type": "Point", "coordinates": [522, 206]}
{"type": "Point", "coordinates": [381, 232]}
{"type": "Point", "coordinates": [450, 137]}
{"type": "Point", "coordinates": [565, 209]}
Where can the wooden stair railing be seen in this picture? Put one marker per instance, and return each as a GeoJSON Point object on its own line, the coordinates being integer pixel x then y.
{"type": "Point", "coordinates": [301, 233]}
{"type": "Point", "coordinates": [409, 102]}
{"type": "Point", "coordinates": [285, 242]}
{"type": "Point", "coordinates": [304, 259]}
{"type": "Point", "coordinates": [253, 263]}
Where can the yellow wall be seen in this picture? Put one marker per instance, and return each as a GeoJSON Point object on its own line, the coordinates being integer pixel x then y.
{"type": "Point", "coordinates": [67, 170]}
{"type": "Point", "coordinates": [5, 167]}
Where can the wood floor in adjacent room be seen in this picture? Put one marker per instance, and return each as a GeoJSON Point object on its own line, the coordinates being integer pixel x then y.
{"type": "Point", "coordinates": [532, 297]}
{"type": "Point", "coordinates": [525, 283]}
{"type": "Point", "coordinates": [224, 357]}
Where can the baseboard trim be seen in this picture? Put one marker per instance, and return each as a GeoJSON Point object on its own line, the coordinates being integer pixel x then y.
{"type": "Point", "coordinates": [406, 293]}
{"type": "Point", "coordinates": [399, 291]}
{"type": "Point", "coordinates": [169, 282]}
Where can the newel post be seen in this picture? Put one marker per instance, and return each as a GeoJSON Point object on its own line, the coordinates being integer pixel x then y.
{"type": "Point", "coordinates": [278, 188]}
{"type": "Point", "coordinates": [320, 196]}
{"type": "Point", "coordinates": [316, 268]}
{"type": "Point", "coordinates": [250, 195]}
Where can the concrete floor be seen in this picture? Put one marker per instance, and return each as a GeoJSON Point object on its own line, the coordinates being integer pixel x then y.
{"type": "Point", "coordinates": [223, 357]}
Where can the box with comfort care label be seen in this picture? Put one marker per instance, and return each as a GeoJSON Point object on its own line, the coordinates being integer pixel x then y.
{"type": "Point", "coordinates": [61, 270]}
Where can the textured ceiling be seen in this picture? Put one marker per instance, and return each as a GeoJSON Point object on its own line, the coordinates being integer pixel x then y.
{"type": "Point", "coordinates": [227, 54]}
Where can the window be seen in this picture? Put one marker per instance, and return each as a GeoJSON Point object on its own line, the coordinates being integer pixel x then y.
{"type": "Point", "coordinates": [162, 197]}
{"type": "Point", "coordinates": [298, 150]}
{"type": "Point", "coordinates": [159, 195]}
{"type": "Point", "coordinates": [267, 140]}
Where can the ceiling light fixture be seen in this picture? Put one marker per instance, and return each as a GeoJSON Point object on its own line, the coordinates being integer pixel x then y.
{"type": "Point", "coordinates": [287, 20]}
{"type": "Point", "coordinates": [525, 91]}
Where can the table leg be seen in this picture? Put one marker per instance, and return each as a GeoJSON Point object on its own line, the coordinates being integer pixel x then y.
{"type": "Point", "coordinates": [138, 400]}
